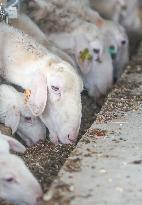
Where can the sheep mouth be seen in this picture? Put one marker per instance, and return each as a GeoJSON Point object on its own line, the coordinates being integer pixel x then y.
{"type": "Point", "coordinates": [68, 141]}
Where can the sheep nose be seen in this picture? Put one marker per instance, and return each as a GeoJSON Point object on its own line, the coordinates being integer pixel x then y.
{"type": "Point", "coordinates": [73, 135]}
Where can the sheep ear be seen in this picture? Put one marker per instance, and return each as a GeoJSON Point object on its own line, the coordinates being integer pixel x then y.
{"type": "Point", "coordinates": [12, 118]}
{"type": "Point", "coordinates": [82, 54]}
{"type": "Point", "coordinates": [38, 94]}
{"type": "Point", "coordinates": [13, 144]}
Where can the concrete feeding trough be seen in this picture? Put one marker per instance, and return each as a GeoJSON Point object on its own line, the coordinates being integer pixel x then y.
{"type": "Point", "coordinates": [105, 168]}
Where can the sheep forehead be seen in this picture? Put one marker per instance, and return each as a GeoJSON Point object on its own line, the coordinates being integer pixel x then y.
{"type": "Point", "coordinates": [119, 37]}
{"type": "Point", "coordinates": [4, 146]}
{"type": "Point", "coordinates": [115, 31]}
{"type": "Point", "coordinates": [65, 72]}
{"type": "Point", "coordinates": [9, 159]}
{"type": "Point", "coordinates": [10, 163]}
{"type": "Point", "coordinates": [6, 165]}
{"type": "Point", "coordinates": [68, 79]}
{"type": "Point", "coordinates": [97, 44]}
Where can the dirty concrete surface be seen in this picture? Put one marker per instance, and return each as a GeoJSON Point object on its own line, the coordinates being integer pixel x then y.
{"type": "Point", "coordinates": [106, 166]}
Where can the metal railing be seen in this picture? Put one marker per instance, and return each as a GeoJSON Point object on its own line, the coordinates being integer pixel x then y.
{"type": "Point", "coordinates": [9, 9]}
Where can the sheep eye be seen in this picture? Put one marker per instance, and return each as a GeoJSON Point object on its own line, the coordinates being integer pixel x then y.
{"type": "Point", "coordinates": [10, 179]}
{"type": "Point", "coordinates": [123, 42]}
{"type": "Point", "coordinates": [55, 88]}
{"type": "Point", "coordinates": [28, 118]}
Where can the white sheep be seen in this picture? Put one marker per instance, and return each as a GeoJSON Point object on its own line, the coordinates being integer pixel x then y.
{"type": "Point", "coordinates": [17, 183]}
{"type": "Point", "coordinates": [15, 114]}
{"type": "Point", "coordinates": [118, 45]}
{"type": "Point", "coordinates": [53, 84]}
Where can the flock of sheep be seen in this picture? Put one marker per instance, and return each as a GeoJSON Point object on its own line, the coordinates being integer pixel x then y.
{"type": "Point", "coordinates": [43, 70]}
